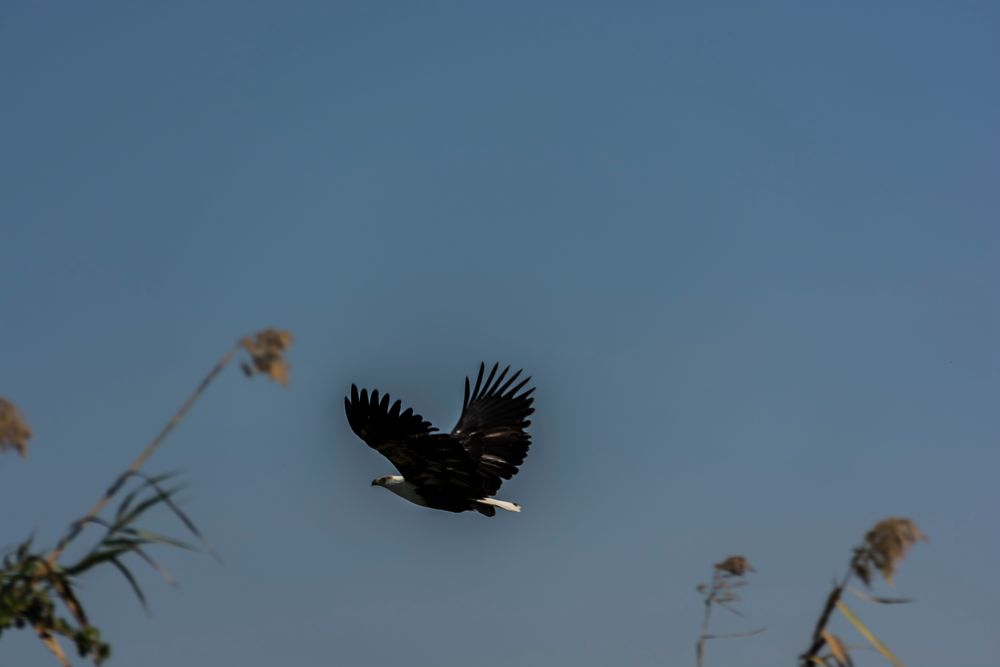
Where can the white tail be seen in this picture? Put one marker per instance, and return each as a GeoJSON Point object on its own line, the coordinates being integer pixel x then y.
{"type": "Point", "coordinates": [502, 504]}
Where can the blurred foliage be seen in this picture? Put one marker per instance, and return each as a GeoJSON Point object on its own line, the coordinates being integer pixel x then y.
{"type": "Point", "coordinates": [33, 590]}
{"type": "Point", "coordinates": [14, 431]}
{"type": "Point", "coordinates": [29, 591]}
{"type": "Point", "coordinates": [38, 589]}
{"type": "Point", "coordinates": [883, 549]}
{"type": "Point", "coordinates": [728, 576]}
{"type": "Point", "coordinates": [267, 354]}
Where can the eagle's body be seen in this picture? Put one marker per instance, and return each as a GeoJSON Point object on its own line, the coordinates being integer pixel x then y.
{"type": "Point", "coordinates": [404, 489]}
{"type": "Point", "coordinates": [455, 471]}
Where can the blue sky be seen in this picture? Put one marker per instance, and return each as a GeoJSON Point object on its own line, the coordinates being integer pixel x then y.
{"type": "Point", "coordinates": [748, 251]}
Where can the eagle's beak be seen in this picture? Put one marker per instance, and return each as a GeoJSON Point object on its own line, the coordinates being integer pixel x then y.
{"type": "Point", "coordinates": [374, 482]}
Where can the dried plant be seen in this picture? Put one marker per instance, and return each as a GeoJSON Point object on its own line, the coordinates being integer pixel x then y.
{"type": "Point", "coordinates": [884, 547]}
{"type": "Point", "coordinates": [728, 576]}
{"type": "Point", "coordinates": [736, 566]}
{"type": "Point", "coordinates": [14, 431]}
{"type": "Point", "coordinates": [37, 590]}
{"type": "Point", "coordinates": [267, 353]}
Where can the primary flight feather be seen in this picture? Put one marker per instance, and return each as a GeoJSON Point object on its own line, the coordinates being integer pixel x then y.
{"type": "Point", "coordinates": [455, 471]}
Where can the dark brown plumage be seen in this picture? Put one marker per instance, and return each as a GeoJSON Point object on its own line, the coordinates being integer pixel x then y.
{"type": "Point", "coordinates": [451, 471]}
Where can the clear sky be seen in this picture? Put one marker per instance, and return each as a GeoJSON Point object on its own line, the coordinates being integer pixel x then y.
{"type": "Point", "coordinates": [750, 253]}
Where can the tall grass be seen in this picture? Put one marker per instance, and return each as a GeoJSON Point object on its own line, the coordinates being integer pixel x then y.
{"type": "Point", "coordinates": [38, 588]}
{"type": "Point", "coordinates": [728, 576]}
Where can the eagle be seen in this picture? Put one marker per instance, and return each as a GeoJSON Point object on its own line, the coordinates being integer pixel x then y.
{"type": "Point", "coordinates": [457, 471]}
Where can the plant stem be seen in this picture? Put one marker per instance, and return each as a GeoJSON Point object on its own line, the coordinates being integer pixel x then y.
{"type": "Point", "coordinates": [824, 618]}
{"type": "Point", "coordinates": [77, 526]}
{"type": "Point", "coordinates": [703, 637]}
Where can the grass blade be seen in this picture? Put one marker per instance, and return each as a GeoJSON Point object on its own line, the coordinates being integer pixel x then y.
{"type": "Point", "coordinates": [131, 580]}
{"type": "Point", "coordinates": [188, 523]}
{"type": "Point", "coordinates": [162, 571]}
{"type": "Point", "coordinates": [867, 634]}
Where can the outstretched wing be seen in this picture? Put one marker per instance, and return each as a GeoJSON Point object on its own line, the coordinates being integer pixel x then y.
{"type": "Point", "coordinates": [493, 422]}
{"type": "Point", "coordinates": [435, 462]}
{"type": "Point", "coordinates": [380, 425]}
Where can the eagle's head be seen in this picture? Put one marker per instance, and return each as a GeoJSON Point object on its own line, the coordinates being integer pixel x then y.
{"type": "Point", "coordinates": [388, 480]}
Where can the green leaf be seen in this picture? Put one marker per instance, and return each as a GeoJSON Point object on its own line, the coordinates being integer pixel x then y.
{"type": "Point", "coordinates": [96, 558]}
{"type": "Point", "coordinates": [131, 580]}
{"type": "Point", "coordinates": [162, 571]}
{"type": "Point", "coordinates": [155, 538]}
{"type": "Point", "coordinates": [160, 496]}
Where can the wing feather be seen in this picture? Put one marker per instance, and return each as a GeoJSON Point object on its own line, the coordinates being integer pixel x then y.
{"type": "Point", "coordinates": [435, 462]}
{"type": "Point", "coordinates": [492, 425]}
{"type": "Point", "coordinates": [373, 421]}
{"type": "Point", "coordinates": [491, 407]}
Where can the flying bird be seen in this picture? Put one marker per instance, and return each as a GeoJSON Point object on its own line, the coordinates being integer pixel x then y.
{"type": "Point", "coordinates": [457, 471]}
